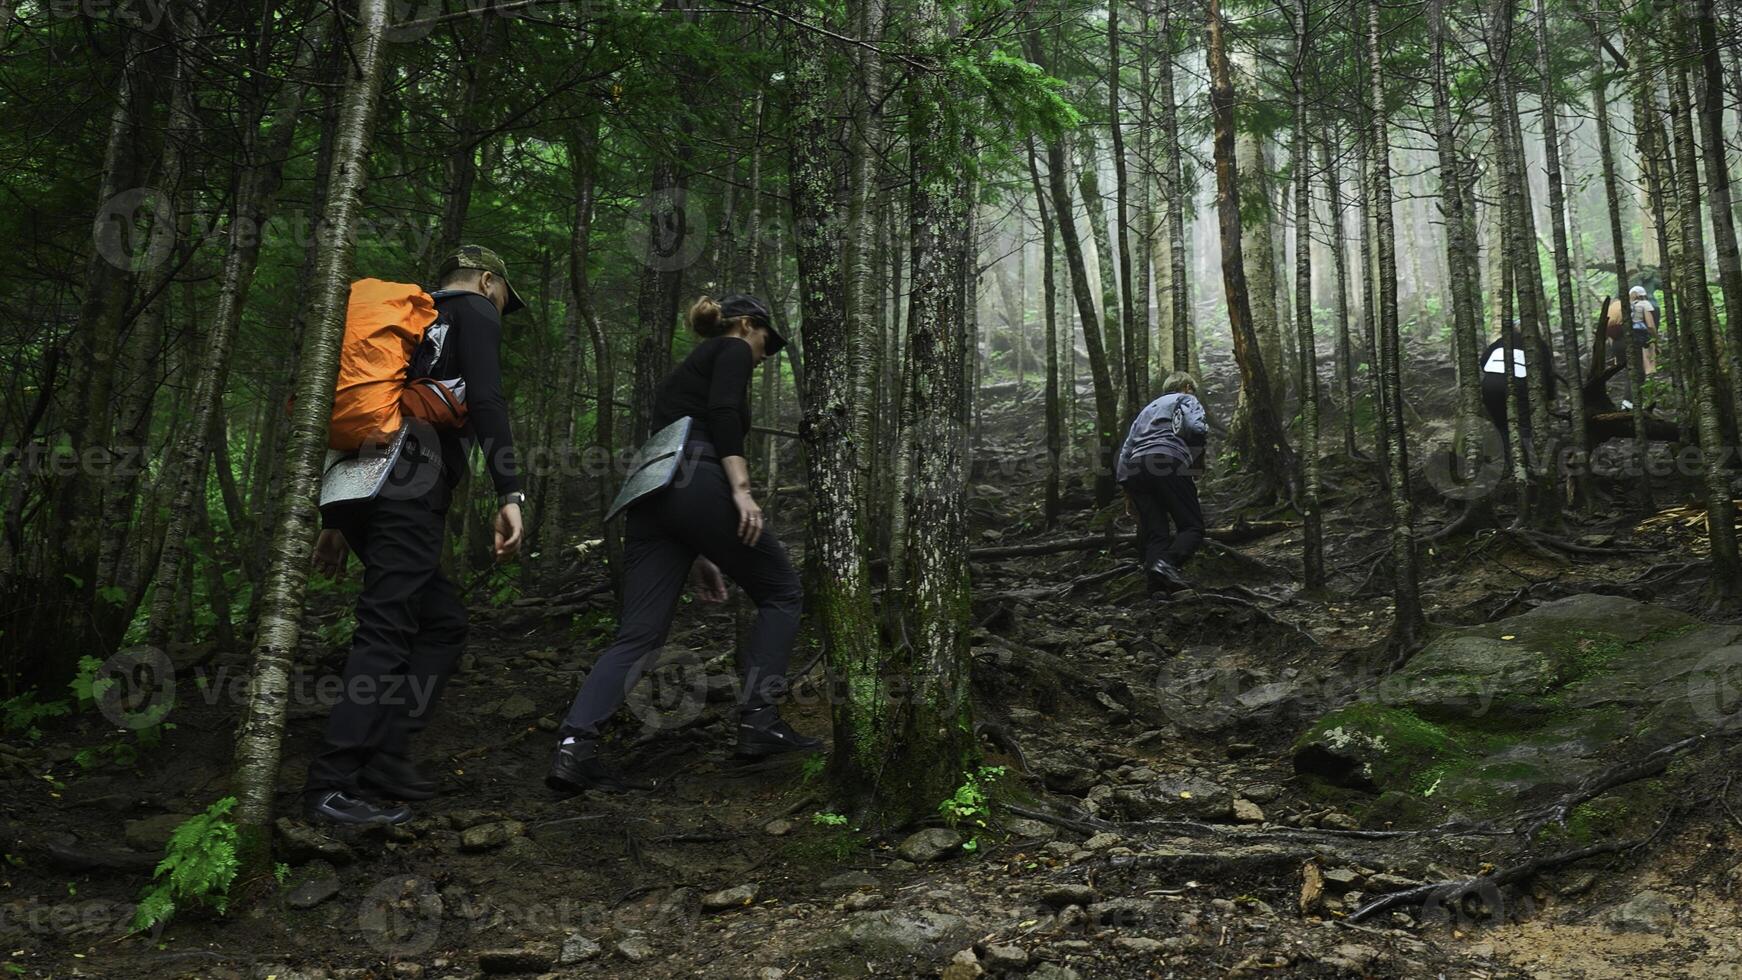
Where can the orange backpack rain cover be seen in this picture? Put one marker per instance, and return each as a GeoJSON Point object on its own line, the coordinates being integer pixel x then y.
{"type": "Point", "coordinates": [383, 326]}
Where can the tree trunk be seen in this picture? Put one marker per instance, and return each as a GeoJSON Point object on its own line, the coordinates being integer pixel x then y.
{"type": "Point", "coordinates": [1339, 257]}
{"type": "Point", "coordinates": [927, 736]}
{"type": "Point", "coordinates": [1641, 484]}
{"type": "Point", "coordinates": [1459, 246]}
{"type": "Point", "coordinates": [1173, 193]}
{"type": "Point", "coordinates": [1410, 623]}
{"type": "Point", "coordinates": [1312, 540]}
{"type": "Point", "coordinates": [1557, 208]}
{"type": "Point", "coordinates": [1106, 399]}
{"type": "Point", "coordinates": [1701, 327]}
{"type": "Point", "coordinates": [1049, 277]}
{"type": "Point", "coordinates": [1713, 147]}
{"type": "Point", "coordinates": [839, 579]}
{"type": "Point", "coordinates": [1135, 327]}
{"type": "Point", "coordinates": [1098, 247]}
{"type": "Point", "coordinates": [1272, 458]}
{"type": "Point", "coordinates": [259, 740]}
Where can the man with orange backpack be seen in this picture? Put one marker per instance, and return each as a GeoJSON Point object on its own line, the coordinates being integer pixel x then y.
{"type": "Point", "coordinates": [420, 383]}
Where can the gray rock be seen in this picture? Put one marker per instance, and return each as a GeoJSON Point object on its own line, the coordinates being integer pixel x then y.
{"type": "Point", "coordinates": [304, 843]}
{"type": "Point", "coordinates": [151, 833]}
{"type": "Point", "coordinates": [517, 706]}
{"type": "Point", "coordinates": [848, 881]}
{"type": "Point", "coordinates": [930, 844]}
{"type": "Point", "coordinates": [635, 949]}
{"type": "Point", "coordinates": [1246, 811]}
{"type": "Point", "coordinates": [1176, 797]}
{"type": "Point", "coordinates": [313, 892]}
{"type": "Point", "coordinates": [1026, 829]}
{"type": "Point", "coordinates": [777, 828]}
{"type": "Point", "coordinates": [1052, 971]}
{"type": "Point", "coordinates": [1648, 911]}
{"type": "Point", "coordinates": [1006, 957]}
{"type": "Point", "coordinates": [488, 836]}
{"type": "Point", "coordinates": [907, 931]}
{"type": "Point", "coordinates": [577, 948]}
{"type": "Point", "coordinates": [1070, 893]}
{"type": "Point", "coordinates": [516, 959]}
{"type": "Point", "coordinates": [730, 898]}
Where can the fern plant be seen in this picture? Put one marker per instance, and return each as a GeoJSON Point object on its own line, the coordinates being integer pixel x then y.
{"type": "Point", "coordinates": [198, 866]}
{"type": "Point", "coordinates": [971, 803]}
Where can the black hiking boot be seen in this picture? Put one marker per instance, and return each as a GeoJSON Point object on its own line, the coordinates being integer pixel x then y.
{"type": "Point", "coordinates": [1166, 577]}
{"type": "Point", "coordinates": [764, 732]}
{"type": "Point", "coordinates": [578, 768]}
{"type": "Point", "coordinates": [339, 808]}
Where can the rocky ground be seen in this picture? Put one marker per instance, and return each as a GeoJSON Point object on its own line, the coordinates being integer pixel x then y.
{"type": "Point", "coordinates": [1174, 804]}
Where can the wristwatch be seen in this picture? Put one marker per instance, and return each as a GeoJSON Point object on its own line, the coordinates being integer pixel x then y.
{"type": "Point", "coordinates": [512, 497]}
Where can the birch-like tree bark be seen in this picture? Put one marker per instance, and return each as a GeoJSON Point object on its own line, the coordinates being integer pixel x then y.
{"type": "Point", "coordinates": [1054, 410]}
{"type": "Point", "coordinates": [1557, 209]}
{"type": "Point", "coordinates": [259, 741]}
{"type": "Point", "coordinates": [1410, 623]}
{"type": "Point", "coordinates": [1340, 258]}
{"type": "Point", "coordinates": [928, 741]}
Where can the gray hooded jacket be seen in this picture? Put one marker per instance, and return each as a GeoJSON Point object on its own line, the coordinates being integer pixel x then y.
{"type": "Point", "coordinates": [1168, 426]}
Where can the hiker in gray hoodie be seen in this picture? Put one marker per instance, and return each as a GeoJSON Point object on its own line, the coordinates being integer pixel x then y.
{"type": "Point", "coordinates": [1156, 470]}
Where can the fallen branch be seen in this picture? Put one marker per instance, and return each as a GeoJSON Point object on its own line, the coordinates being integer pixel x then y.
{"type": "Point", "coordinates": [1453, 892]}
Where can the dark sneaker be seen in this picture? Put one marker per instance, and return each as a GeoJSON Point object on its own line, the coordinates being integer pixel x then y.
{"type": "Point", "coordinates": [1164, 574]}
{"type": "Point", "coordinates": [341, 808]}
{"type": "Point", "coordinates": [773, 738]}
{"type": "Point", "coordinates": [397, 778]}
{"type": "Point", "coordinates": [577, 768]}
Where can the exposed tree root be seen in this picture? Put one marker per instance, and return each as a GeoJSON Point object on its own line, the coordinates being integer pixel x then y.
{"type": "Point", "coordinates": [1483, 887]}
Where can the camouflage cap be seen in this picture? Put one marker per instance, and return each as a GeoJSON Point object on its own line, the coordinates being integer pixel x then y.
{"type": "Point", "coordinates": [483, 259]}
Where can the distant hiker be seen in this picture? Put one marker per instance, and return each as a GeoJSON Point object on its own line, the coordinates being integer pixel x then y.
{"type": "Point", "coordinates": [1157, 469]}
{"type": "Point", "coordinates": [420, 377]}
{"type": "Point", "coordinates": [691, 514]}
{"type": "Point", "coordinates": [1644, 325]}
{"type": "Point", "coordinates": [1507, 355]}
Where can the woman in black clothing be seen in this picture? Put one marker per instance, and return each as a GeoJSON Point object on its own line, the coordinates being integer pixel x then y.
{"type": "Point", "coordinates": [704, 524]}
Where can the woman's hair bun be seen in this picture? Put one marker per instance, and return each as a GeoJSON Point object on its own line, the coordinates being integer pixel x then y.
{"type": "Point", "coordinates": [705, 317]}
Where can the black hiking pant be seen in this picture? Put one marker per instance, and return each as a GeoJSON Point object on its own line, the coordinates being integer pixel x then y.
{"type": "Point", "coordinates": [1496, 402]}
{"type": "Point", "coordinates": [1170, 520]}
{"type": "Point", "coordinates": [411, 623]}
{"type": "Point", "coordinates": [665, 532]}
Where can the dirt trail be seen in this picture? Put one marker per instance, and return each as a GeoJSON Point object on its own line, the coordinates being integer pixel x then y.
{"type": "Point", "coordinates": [1150, 822]}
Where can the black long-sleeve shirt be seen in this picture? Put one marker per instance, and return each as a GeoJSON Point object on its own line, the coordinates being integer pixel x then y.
{"type": "Point", "coordinates": [711, 386]}
{"type": "Point", "coordinates": [474, 352]}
